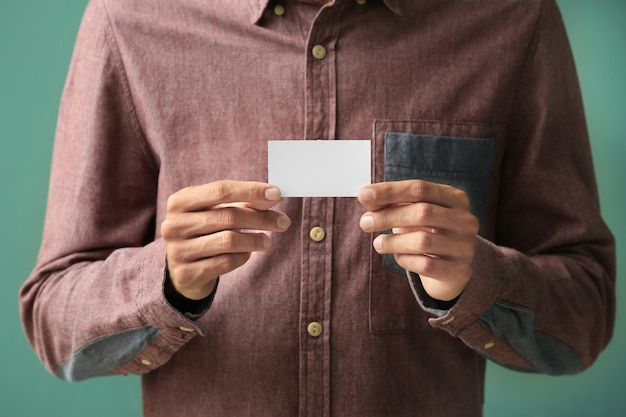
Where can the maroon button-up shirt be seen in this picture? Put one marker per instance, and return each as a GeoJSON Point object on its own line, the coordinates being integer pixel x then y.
{"type": "Point", "coordinates": [165, 94]}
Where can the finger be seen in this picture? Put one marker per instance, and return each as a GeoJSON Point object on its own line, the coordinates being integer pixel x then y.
{"type": "Point", "coordinates": [192, 278]}
{"type": "Point", "coordinates": [420, 216]}
{"type": "Point", "coordinates": [436, 245]}
{"type": "Point", "coordinates": [261, 196]}
{"type": "Point", "coordinates": [217, 244]}
{"type": "Point", "coordinates": [385, 194]}
{"type": "Point", "coordinates": [434, 268]}
{"type": "Point", "coordinates": [187, 225]}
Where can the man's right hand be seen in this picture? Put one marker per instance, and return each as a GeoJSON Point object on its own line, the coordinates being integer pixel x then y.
{"type": "Point", "coordinates": [212, 229]}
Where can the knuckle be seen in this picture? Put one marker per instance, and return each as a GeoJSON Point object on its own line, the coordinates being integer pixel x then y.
{"type": "Point", "coordinates": [229, 262]}
{"type": "Point", "coordinates": [386, 192]}
{"type": "Point", "coordinates": [419, 189]}
{"type": "Point", "coordinates": [171, 228]}
{"type": "Point", "coordinates": [172, 203]}
{"type": "Point", "coordinates": [181, 273]}
{"type": "Point", "coordinates": [406, 261]}
{"type": "Point", "coordinates": [400, 259]}
{"type": "Point", "coordinates": [167, 229]}
{"type": "Point", "coordinates": [424, 242]}
{"type": "Point", "coordinates": [384, 219]}
{"type": "Point", "coordinates": [228, 240]}
{"type": "Point", "coordinates": [176, 254]}
{"type": "Point", "coordinates": [220, 190]}
{"type": "Point", "coordinates": [425, 212]}
{"type": "Point", "coordinates": [226, 263]}
{"type": "Point", "coordinates": [469, 223]}
{"type": "Point", "coordinates": [428, 266]}
{"type": "Point", "coordinates": [228, 217]}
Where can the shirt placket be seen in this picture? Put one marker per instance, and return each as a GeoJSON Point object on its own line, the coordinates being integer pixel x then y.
{"type": "Point", "coordinates": [317, 223]}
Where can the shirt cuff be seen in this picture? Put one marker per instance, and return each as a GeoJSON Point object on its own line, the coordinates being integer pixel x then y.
{"type": "Point", "coordinates": [192, 309]}
{"type": "Point", "coordinates": [438, 307]}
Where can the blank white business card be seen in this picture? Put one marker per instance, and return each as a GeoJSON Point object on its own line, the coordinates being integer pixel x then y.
{"type": "Point", "coordinates": [319, 168]}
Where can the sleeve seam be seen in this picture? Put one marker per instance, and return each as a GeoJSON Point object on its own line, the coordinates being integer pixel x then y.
{"type": "Point", "coordinates": [530, 50]}
{"type": "Point", "coordinates": [118, 62]}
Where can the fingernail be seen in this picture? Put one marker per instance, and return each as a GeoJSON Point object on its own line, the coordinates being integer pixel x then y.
{"type": "Point", "coordinates": [272, 194]}
{"type": "Point", "coordinates": [283, 222]}
{"type": "Point", "coordinates": [367, 194]}
{"type": "Point", "coordinates": [378, 243]}
{"type": "Point", "coordinates": [367, 222]}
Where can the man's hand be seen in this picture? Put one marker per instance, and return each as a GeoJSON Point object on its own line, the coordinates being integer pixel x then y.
{"type": "Point", "coordinates": [434, 231]}
{"type": "Point", "coordinates": [208, 231]}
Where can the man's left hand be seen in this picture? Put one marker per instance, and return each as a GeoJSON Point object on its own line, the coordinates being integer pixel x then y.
{"type": "Point", "coordinates": [434, 231]}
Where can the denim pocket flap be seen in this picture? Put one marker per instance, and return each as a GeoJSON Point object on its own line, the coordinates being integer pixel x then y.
{"type": "Point", "coordinates": [464, 163]}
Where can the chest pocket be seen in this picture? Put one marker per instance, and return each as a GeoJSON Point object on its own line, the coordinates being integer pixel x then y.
{"type": "Point", "coordinates": [460, 161]}
{"type": "Point", "coordinates": [464, 163]}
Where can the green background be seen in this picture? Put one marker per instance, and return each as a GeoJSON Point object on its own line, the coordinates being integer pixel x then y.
{"type": "Point", "coordinates": [36, 41]}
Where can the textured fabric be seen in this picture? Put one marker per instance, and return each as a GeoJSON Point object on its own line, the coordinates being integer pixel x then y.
{"type": "Point", "coordinates": [164, 94]}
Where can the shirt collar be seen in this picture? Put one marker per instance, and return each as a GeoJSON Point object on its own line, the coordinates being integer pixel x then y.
{"type": "Point", "coordinates": [258, 6]}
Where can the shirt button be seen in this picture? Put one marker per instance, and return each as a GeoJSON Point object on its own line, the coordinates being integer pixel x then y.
{"type": "Point", "coordinates": [448, 321]}
{"type": "Point", "coordinates": [489, 345]}
{"type": "Point", "coordinates": [361, 2]}
{"type": "Point", "coordinates": [319, 52]}
{"type": "Point", "coordinates": [186, 329]}
{"type": "Point", "coordinates": [314, 329]}
{"type": "Point", "coordinates": [279, 10]}
{"type": "Point", "coordinates": [317, 234]}
{"type": "Point", "coordinates": [146, 362]}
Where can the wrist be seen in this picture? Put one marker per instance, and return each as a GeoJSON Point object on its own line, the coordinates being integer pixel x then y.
{"type": "Point", "coordinates": [187, 306]}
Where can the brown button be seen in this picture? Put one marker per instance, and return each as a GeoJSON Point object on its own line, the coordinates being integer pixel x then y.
{"type": "Point", "coordinates": [314, 329]}
{"type": "Point", "coordinates": [279, 10]}
{"type": "Point", "coordinates": [317, 234]}
{"type": "Point", "coordinates": [318, 52]}
{"type": "Point", "coordinates": [361, 2]}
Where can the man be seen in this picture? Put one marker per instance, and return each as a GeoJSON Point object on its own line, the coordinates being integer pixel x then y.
{"type": "Point", "coordinates": [165, 253]}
